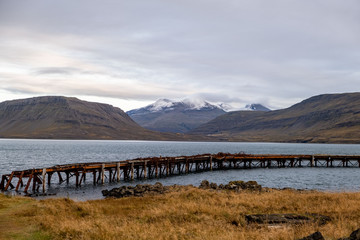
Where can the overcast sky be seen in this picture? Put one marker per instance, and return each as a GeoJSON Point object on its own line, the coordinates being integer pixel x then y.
{"type": "Point", "coordinates": [131, 53]}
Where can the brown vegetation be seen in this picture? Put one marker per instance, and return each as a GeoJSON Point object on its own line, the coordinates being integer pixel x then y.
{"type": "Point", "coordinates": [183, 213]}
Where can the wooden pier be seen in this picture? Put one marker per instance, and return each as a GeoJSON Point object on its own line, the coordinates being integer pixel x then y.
{"type": "Point", "coordinates": [157, 167]}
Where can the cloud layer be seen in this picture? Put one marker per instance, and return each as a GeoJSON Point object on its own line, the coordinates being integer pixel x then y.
{"type": "Point", "coordinates": [273, 52]}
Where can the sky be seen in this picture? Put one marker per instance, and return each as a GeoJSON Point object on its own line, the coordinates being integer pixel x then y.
{"type": "Point", "coordinates": [129, 53]}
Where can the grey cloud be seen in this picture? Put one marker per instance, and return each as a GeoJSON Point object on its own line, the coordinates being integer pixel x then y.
{"type": "Point", "coordinates": [276, 52]}
{"type": "Point", "coordinates": [55, 70]}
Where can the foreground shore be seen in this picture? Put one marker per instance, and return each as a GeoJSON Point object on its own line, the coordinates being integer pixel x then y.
{"type": "Point", "coordinates": [179, 213]}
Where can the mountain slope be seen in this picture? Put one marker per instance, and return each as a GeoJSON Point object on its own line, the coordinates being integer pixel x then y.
{"type": "Point", "coordinates": [69, 118]}
{"type": "Point", "coordinates": [178, 117]}
{"type": "Point", "coordinates": [323, 118]}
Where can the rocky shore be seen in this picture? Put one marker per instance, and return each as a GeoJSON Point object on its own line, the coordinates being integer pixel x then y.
{"type": "Point", "coordinates": [142, 189]}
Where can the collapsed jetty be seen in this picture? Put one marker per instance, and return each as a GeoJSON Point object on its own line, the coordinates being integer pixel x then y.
{"type": "Point", "coordinates": [159, 167]}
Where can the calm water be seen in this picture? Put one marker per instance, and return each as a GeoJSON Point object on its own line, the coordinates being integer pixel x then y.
{"type": "Point", "coordinates": [25, 154]}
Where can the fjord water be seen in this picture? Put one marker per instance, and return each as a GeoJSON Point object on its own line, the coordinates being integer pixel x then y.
{"type": "Point", "coordinates": [19, 154]}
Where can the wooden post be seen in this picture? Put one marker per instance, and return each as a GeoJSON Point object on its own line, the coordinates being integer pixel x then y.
{"type": "Point", "coordinates": [118, 172]}
{"type": "Point", "coordinates": [312, 160]}
{"type": "Point", "coordinates": [94, 177]}
{"type": "Point", "coordinates": [126, 173]}
{"type": "Point", "coordinates": [34, 182]}
{"type": "Point", "coordinates": [167, 167]}
{"type": "Point", "coordinates": [29, 182]}
{"type": "Point", "coordinates": [2, 184]}
{"type": "Point", "coordinates": [67, 177]}
{"type": "Point", "coordinates": [102, 173]}
{"type": "Point", "coordinates": [60, 177]}
{"type": "Point", "coordinates": [9, 181]}
{"type": "Point", "coordinates": [211, 165]}
{"type": "Point", "coordinates": [77, 178]}
{"type": "Point", "coordinates": [49, 178]}
{"type": "Point", "coordinates": [44, 179]}
{"type": "Point", "coordinates": [20, 181]}
{"type": "Point", "coordinates": [145, 163]}
{"type": "Point", "coordinates": [83, 177]}
{"type": "Point", "coordinates": [132, 171]}
{"type": "Point", "coordinates": [157, 169]}
{"type": "Point", "coordinates": [110, 175]}
{"type": "Point", "coordinates": [84, 174]}
{"type": "Point", "coordinates": [150, 173]}
{"type": "Point", "coordinates": [138, 172]}
{"type": "Point", "coordinates": [187, 166]}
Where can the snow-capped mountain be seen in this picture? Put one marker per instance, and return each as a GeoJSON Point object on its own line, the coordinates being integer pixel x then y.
{"type": "Point", "coordinates": [255, 107]}
{"type": "Point", "coordinates": [175, 116]}
{"type": "Point", "coordinates": [164, 104]}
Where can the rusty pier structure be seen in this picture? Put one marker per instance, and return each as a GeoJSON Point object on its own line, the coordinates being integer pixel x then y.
{"type": "Point", "coordinates": [37, 180]}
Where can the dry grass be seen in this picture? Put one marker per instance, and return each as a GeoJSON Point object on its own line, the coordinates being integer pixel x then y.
{"type": "Point", "coordinates": [189, 213]}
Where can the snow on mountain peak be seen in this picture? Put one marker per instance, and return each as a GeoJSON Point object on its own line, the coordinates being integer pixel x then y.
{"type": "Point", "coordinates": [225, 106]}
{"type": "Point", "coordinates": [160, 104]}
{"type": "Point", "coordinates": [255, 107]}
{"type": "Point", "coordinates": [195, 104]}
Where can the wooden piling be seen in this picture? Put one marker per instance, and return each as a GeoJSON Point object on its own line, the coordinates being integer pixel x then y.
{"type": "Point", "coordinates": [44, 180]}
{"type": "Point", "coordinates": [94, 177]}
{"type": "Point", "coordinates": [103, 173]}
{"type": "Point", "coordinates": [167, 167]}
{"type": "Point", "coordinates": [67, 177]}
{"type": "Point", "coordinates": [60, 177]}
{"type": "Point", "coordinates": [312, 161]}
{"type": "Point", "coordinates": [49, 178]}
{"type": "Point", "coordinates": [20, 181]}
{"type": "Point", "coordinates": [77, 178]}
{"type": "Point", "coordinates": [34, 182]}
{"type": "Point", "coordinates": [132, 172]}
{"type": "Point", "coordinates": [118, 172]}
{"type": "Point", "coordinates": [157, 169]}
{"type": "Point", "coordinates": [28, 182]}
{"type": "Point", "coordinates": [9, 181]}
{"type": "Point", "coordinates": [145, 163]}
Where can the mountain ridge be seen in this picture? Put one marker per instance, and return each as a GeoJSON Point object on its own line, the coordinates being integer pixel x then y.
{"type": "Point", "coordinates": [333, 118]}
{"type": "Point", "coordinates": [58, 117]}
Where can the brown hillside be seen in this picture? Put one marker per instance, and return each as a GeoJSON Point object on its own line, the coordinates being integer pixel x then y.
{"type": "Point", "coordinates": [70, 118]}
{"type": "Point", "coordinates": [330, 118]}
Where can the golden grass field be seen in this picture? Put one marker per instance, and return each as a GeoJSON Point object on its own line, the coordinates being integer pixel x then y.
{"type": "Point", "coordinates": [184, 213]}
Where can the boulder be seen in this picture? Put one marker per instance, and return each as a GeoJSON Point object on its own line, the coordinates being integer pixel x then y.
{"type": "Point", "coordinates": [137, 191]}
{"type": "Point", "coordinates": [355, 235]}
{"type": "Point", "coordinates": [274, 219]}
{"type": "Point", "coordinates": [314, 236]}
{"type": "Point", "coordinates": [204, 184]}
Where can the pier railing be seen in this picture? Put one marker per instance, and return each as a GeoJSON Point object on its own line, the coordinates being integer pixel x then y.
{"type": "Point", "coordinates": [158, 167]}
